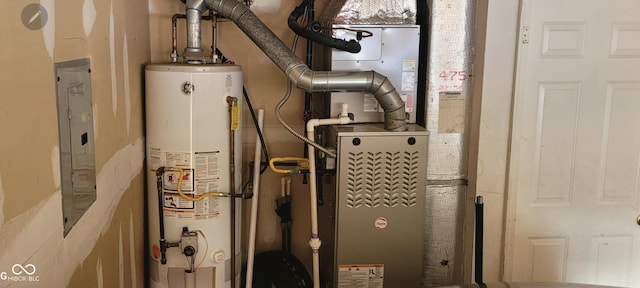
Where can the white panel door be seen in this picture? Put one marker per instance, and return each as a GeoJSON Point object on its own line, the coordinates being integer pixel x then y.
{"type": "Point", "coordinates": [575, 159]}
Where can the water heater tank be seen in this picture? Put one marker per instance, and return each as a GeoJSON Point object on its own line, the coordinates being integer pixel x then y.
{"type": "Point", "coordinates": [188, 123]}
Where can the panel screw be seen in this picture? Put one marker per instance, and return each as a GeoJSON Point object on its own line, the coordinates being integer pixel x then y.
{"type": "Point", "coordinates": [411, 140]}
{"type": "Point", "coordinates": [356, 141]}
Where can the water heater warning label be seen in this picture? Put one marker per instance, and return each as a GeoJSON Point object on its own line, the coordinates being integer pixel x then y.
{"type": "Point", "coordinates": [361, 276]}
{"type": "Point", "coordinates": [159, 158]}
{"type": "Point", "coordinates": [204, 178]}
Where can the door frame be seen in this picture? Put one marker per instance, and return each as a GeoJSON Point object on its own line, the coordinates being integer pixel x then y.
{"type": "Point", "coordinates": [513, 147]}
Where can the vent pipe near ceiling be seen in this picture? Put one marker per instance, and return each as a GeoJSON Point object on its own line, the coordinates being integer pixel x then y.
{"type": "Point", "coordinates": [193, 53]}
{"type": "Point", "coordinates": [298, 72]}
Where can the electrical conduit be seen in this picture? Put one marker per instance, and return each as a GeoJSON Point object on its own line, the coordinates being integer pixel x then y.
{"type": "Point", "coordinates": [315, 242]}
{"type": "Point", "coordinates": [254, 204]}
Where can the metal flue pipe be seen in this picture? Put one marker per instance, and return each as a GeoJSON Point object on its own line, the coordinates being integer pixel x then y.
{"type": "Point", "coordinates": [193, 53]}
{"type": "Point", "coordinates": [299, 73]}
{"type": "Point", "coordinates": [194, 39]}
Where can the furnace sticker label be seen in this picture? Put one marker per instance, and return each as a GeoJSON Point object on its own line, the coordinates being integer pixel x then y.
{"type": "Point", "coordinates": [361, 276]}
{"type": "Point", "coordinates": [409, 75]}
{"type": "Point", "coordinates": [408, 81]}
{"type": "Point", "coordinates": [408, 102]}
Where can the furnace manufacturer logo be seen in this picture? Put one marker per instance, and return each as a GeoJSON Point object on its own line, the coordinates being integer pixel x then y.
{"type": "Point", "coordinates": [21, 273]}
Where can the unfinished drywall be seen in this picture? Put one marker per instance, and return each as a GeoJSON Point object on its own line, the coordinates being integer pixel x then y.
{"type": "Point", "coordinates": [122, 238]}
{"type": "Point", "coordinates": [31, 228]}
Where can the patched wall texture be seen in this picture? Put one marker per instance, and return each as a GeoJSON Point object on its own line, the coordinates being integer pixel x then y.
{"type": "Point", "coordinates": [108, 240]}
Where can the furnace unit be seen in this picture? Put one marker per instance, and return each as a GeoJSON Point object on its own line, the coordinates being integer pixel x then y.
{"type": "Point", "coordinates": [372, 217]}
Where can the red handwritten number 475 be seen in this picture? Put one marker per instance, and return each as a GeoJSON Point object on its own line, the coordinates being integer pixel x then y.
{"type": "Point", "coordinates": [453, 75]}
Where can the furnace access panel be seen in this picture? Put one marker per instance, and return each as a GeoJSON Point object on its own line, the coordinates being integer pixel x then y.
{"type": "Point", "coordinates": [391, 50]}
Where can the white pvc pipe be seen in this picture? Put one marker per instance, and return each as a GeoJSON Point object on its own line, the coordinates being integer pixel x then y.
{"type": "Point", "coordinates": [190, 279]}
{"type": "Point", "coordinates": [254, 203]}
{"type": "Point", "coordinates": [315, 242]}
{"type": "Point", "coordinates": [288, 187]}
{"type": "Point", "coordinates": [283, 187]}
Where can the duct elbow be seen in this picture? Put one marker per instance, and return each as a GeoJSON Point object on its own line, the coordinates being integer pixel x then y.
{"type": "Point", "coordinates": [378, 85]}
{"type": "Point", "coordinates": [390, 101]}
{"type": "Point", "coordinates": [301, 76]}
{"type": "Point", "coordinates": [195, 4]}
{"type": "Point", "coordinates": [233, 10]}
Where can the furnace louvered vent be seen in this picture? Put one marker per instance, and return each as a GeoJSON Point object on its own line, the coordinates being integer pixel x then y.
{"type": "Point", "coordinates": [382, 178]}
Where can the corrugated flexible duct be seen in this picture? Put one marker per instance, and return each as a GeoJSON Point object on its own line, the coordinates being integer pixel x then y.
{"type": "Point", "coordinates": [298, 72]}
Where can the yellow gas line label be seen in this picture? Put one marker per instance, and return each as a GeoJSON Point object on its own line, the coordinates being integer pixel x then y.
{"type": "Point", "coordinates": [235, 115]}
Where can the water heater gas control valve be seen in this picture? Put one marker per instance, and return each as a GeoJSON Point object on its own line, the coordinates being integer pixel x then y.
{"type": "Point", "coordinates": [189, 242]}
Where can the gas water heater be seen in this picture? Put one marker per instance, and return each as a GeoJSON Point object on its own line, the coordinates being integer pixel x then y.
{"type": "Point", "coordinates": [192, 115]}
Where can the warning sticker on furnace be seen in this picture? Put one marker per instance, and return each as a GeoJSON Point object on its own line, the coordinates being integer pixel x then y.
{"type": "Point", "coordinates": [361, 276]}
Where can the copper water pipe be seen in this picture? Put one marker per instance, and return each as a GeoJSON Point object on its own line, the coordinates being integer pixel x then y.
{"type": "Point", "coordinates": [174, 36]}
